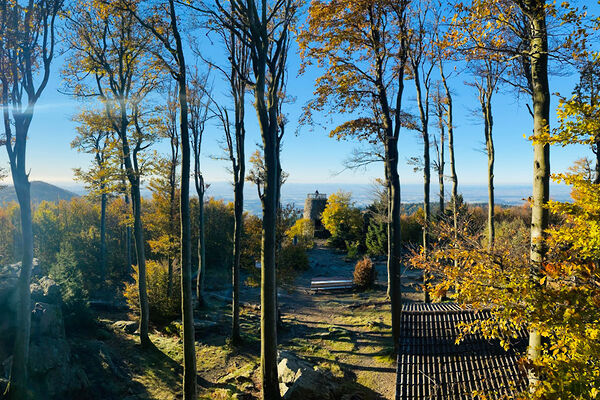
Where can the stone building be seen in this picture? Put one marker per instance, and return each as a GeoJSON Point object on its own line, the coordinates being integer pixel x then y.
{"type": "Point", "coordinates": [314, 205]}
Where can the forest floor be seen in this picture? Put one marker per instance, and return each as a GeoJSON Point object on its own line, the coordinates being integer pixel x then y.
{"type": "Point", "coordinates": [346, 333]}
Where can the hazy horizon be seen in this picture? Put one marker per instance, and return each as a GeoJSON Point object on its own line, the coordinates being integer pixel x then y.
{"type": "Point", "coordinates": [363, 194]}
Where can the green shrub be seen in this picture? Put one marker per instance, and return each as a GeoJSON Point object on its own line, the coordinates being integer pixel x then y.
{"type": "Point", "coordinates": [364, 273]}
{"type": "Point", "coordinates": [291, 260]}
{"type": "Point", "coordinates": [66, 272]}
{"type": "Point", "coordinates": [163, 308]}
{"type": "Point", "coordinates": [352, 249]}
{"type": "Point", "coordinates": [293, 257]}
{"type": "Point", "coordinates": [376, 240]}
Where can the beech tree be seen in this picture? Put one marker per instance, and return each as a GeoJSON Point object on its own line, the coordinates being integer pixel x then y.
{"type": "Point", "coordinates": [27, 45]}
{"type": "Point", "coordinates": [364, 58]}
{"type": "Point", "coordinates": [161, 21]}
{"type": "Point", "coordinates": [440, 162]}
{"type": "Point", "coordinates": [487, 74]}
{"type": "Point", "coordinates": [421, 68]}
{"type": "Point", "coordinates": [445, 53]}
{"type": "Point", "coordinates": [522, 36]}
{"type": "Point", "coordinates": [236, 76]}
{"type": "Point", "coordinates": [264, 28]}
{"type": "Point", "coordinates": [165, 189]}
{"type": "Point", "coordinates": [94, 136]}
{"type": "Point", "coordinates": [199, 106]}
{"type": "Point", "coordinates": [112, 51]}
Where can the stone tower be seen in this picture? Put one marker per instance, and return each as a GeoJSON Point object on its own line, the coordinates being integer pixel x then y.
{"type": "Point", "coordinates": [314, 205]}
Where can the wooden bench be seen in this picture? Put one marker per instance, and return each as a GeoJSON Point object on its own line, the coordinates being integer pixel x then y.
{"type": "Point", "coordinates": [331, 283]}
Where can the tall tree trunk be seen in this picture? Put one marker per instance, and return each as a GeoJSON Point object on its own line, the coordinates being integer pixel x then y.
{"type": "Point", "coordinates": [426, 202]}
{"type": "Point", "coordinates": [172, 222]}
{"type": "Point", "coordinates": [103, 202]}
{"type": "Point", "coordinates": [19, 384]}
{"type": "Point", "coordinates": [268, 293]}
{"type": "Point", "coordinates": [489, 145]}
{"type": "Point", "coordinates": [394, 245]}
{"type": "Point", "coordinates": [238, 212]}
{"type": "Point", "coordinates": [128, 256]}
{"type": "Point", "coordinates": [201, 248]}
{"type": "Point", "coordinates": [541, 152]}
{"type": "Point", "coordinates": [267, 114]}
{"type": "Point", "coordinates": [424, 114]}
{"type": "Point", "coordinates": [132, 174]}
{"type": "Point", "coordinates": [453, 175]}
{"type": "Point", "coordinates": [138, 233]}
{"type": "Point", "coordinates": [389, 266]}
{"type": "Point", "coordinates": [187, 306]}
{"type": "Point", "coordinates": [597, 169]}
{"type": "Point", "coordinates": [441, 172]}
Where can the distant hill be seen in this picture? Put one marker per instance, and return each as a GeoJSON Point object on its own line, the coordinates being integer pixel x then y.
{"type": "Point", "coordinates": [40, 191]}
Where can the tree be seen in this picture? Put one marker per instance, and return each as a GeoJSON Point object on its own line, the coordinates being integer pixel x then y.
{"type": "Point", "coordinates": [341, 218]}
{"type": "Point", "coordinates": [488, 72]}
{"type": "Point", "coordinates": [111, 45]}
{"type": "Point", "coordinates": [94, 136]}
{"type": "Point", "coordinates": [522, 36]}
{"type": "Point", "coordinates": [264, 28]}
{"type": "Point", "coordinates": [171, 133]}
{"type": "Point", "coordinates": [161, 21]}
{"type": "Point", "coordinates": [421, 67]}
{"type": "Point", "coordinates": [198, 106]}
{"type": "Point", "coordinates": [440, 162]}
{"type": "Point", "coordinates": [364, 59]}
{"type": "Point", "coordinates": [236, 76]}
{"type": "Point", "coordinates": [27, 44]}
{"type": "Point", "coordinates": [447, 104]}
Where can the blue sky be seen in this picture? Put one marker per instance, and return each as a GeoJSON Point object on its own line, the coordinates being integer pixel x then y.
{"type": "Point", "coordinates": [310, 156]}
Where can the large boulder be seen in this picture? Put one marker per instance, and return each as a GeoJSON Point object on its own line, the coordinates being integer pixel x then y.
{"type": "Point", "coordinates": [300, 380]}
{"type": "Point", "coordinates": [51, 374]}
{"type": "Point", "coordinates": [45, 290]}
{"type": "Point", "coordinates": [50, 368]}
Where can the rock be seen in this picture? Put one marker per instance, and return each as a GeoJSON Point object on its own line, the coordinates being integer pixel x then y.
{"type": "Point", "coordinates": [45, 290]}
{"type": "Point", "coordinates": [126, 326]}
{"type": "Point", "coordinates": [47, 320]}
{"type": "Point", "coordinates": [299, 380]}
{"type": "Point", "coordinates": [51, 373]}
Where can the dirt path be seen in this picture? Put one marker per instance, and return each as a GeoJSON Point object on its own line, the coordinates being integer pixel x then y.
{"type": "Point", "coordinates": [344, 330]}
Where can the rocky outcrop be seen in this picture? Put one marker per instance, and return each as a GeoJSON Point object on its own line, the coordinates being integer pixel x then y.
{"type": "Point", "coordinates": [126, 326]}
{"type": "Point", "coordinates": [51, 374]}
{"type": "Point", "coordinates": [300, 380]}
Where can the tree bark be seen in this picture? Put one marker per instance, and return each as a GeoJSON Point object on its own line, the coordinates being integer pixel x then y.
{"type": "Point", "coordinates": [138, 233]}
{"type": "Point", "coordinates": [535, 11]}
{"type": "Point", "coordinates": [441, 171]}
{"type": "Point", "coordinates": [187, 306]}
{"type": "Point", "coordinates": [394, 237]}
{"type": "Point", "coordinates": [268, 294]}
{"type": "Point", "coordinates": [103, 202]}
{"type": "Point", "coordinates": [201, 248]}
{"type": "Point", "coordinates": [19, 384]}
{"type": "Point", "coordinates": [238, 211]}
{"type": "Point", "coordinates": [486, 106]}
{"type": "Point", "coordinates": [127, 239]}
{"type": "Point", "coordinates": [132, 172]}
